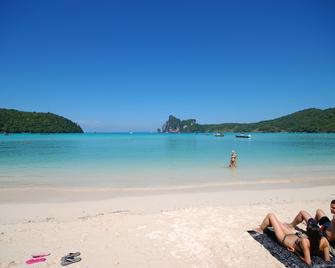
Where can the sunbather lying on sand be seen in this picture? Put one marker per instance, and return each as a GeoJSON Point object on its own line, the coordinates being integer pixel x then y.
{"type": "Point", "coordinates": [304, 246]}
{"type": "Point", "coordinates": [327, 226]}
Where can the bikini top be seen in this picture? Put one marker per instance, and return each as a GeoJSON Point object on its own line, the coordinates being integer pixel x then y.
{"type": "Point", "coordinates": [297, 242]}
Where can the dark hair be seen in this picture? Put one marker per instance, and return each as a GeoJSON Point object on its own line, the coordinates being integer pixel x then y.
{"type": "Point", "coordinates": [332, 202]}
{"type": "Point", "coordinates": [314, 237]}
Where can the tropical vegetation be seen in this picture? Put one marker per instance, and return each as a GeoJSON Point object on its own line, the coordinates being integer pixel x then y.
{"type": "Point", "coordinates": [308, 120]}
{"type": "Point", "coordinates": [14, 121]}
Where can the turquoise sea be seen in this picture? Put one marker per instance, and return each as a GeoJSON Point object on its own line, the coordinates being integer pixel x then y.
{"type": "Point", "coordinates": [159, 160]}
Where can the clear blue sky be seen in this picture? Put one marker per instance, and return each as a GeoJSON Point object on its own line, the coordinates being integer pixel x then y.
{"type": "Point", "coordinates": [121, 65]}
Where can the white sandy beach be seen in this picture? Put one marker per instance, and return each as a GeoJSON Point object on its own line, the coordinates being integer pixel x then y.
{"type": "Point", "coordinates": [185, 228]}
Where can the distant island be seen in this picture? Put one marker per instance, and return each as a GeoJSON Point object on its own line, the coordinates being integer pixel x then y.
{"type": "Point", "coordinates": [14, 121]}
{"type": "Point", "coordinates": [308, 120]}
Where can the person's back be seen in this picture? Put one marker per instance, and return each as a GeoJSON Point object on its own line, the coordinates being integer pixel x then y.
{"type": "Point", "coordinates": [318, 244]}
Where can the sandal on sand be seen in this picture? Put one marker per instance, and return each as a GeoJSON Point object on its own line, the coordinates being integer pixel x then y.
{"type": "Point", "coordinates": [72, 255]}
{"type": "Point", "coordinates": [35, 260]}
{"type": "Point", "coordinates": [66, 260]}
{"type": "Point", "coordinates": [40, 255]}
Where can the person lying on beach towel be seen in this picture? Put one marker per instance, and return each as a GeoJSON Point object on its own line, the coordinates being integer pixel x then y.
{"type": "Point", "coordinates": [327, 226]}
{"type": "Point", "coordinates": [305, 246]}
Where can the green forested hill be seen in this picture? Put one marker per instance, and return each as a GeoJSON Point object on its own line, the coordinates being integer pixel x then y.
{"type": "Point", "coordinates": [14, 121]}
{"type": "Point", "coordinates": [309, 120]}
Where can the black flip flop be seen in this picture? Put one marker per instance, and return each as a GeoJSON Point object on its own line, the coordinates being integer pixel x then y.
{"type": "Point", "coordinates": [66, 260]}
{"type": "Point", "coordinates": [72, 254]}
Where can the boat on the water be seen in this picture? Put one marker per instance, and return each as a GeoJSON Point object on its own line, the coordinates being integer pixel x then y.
{"type": "Point", "coordinates": [246, 136]}
{"type": "Point", "coordinates": [219, 134]}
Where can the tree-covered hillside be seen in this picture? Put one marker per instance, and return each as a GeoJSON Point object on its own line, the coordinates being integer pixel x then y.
{"type": "Point", "coordinates": [14, 121]}
{"type": "Point", "coordinates": [309, 120]}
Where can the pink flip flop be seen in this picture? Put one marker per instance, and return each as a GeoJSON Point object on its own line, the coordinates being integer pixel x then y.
{"type": "Point", "coordinates": [35, 260]}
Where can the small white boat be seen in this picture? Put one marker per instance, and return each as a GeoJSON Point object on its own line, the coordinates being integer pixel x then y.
{"type": "Point", "coordinates": [245, 136]}
{"type": "Point", "coordinates": [218, 134]}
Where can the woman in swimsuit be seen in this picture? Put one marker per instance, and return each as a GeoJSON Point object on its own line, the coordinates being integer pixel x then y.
{"type": "Point", "coordinates": [233, 160]}
{"type": "Point", "coordinates": [305, 246]}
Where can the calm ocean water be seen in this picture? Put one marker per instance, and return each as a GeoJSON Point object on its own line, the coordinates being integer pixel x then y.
{"type": "Point", "coordinates": [155, 160]}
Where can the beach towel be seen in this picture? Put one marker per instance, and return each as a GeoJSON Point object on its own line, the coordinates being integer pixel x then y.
{"type": "Point", "coordinates": [289, 259]}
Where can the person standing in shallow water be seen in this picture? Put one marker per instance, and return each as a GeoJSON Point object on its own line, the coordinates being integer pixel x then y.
{"type": "Point", "coordinates": [233, 159]}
